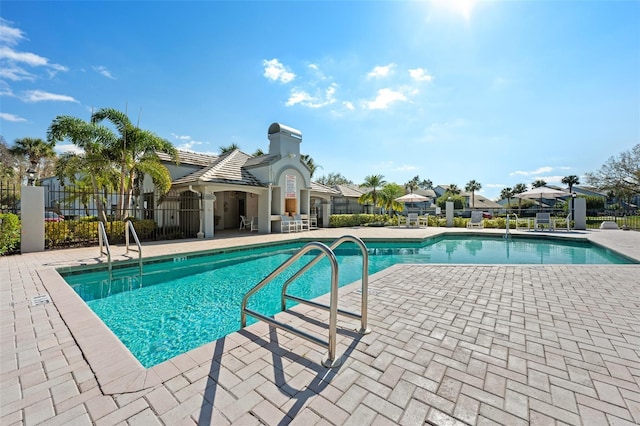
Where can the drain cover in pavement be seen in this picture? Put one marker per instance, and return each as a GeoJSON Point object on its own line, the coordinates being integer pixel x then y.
{"type": "Point", "coordinates": [41, 299]}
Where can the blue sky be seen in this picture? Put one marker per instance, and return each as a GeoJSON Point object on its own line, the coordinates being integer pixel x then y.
{"type": "Point", "coordinates": [502, 92]}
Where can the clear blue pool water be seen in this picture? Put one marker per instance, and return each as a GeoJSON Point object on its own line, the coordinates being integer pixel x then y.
{"type": "Point", "coordinates": [183, 302]}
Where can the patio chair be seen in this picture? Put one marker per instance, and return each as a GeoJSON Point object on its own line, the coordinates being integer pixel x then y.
{"type": "Point", "coordinates": [244, 224]}
{"type": "Point", "coordinates": [542, 220]}
{"type": "Point", "coordinates": [303, 224]}
{"type": "Point", "coordinates": [313, 221]}
{"type": "Point", "coordinates": [287, 224]}
{"type": "Point", "coordinates": [564, 222]}
{"type": "Point", "coordinates": [412, 220]}
{"type": "Point", "coordinates": [254, 224]}
{"type": "Point", "coordinates": [423, 220]}
{"type": "Point", "coordinates": [476, 220]}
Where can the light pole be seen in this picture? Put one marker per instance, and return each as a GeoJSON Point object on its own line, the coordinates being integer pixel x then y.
{"type": "Point", "coordinates": [31, 176]}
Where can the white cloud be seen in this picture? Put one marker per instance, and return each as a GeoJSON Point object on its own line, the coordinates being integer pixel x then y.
{"type": "Point", "coordinates": [274, 70]}
{"type": "Point", "coordinates": [545, 169]}
{"type": "Point", "coordinates": [381, 71]}
{"type": "Point", "coordinates": [348, 105]}
{"type": "Point", "coordinates": [39, 96]}
{"type": "Point", "coordinates": [384, 99]}
{"type": "Point", "coordinates": [102, 70]}
{"type": "Point", "coordinates": [304, 98]}
{"type": "Point", "coordinates": [420, 74]}
{"type": "Point", "coordinates": [5, 90]}
{"type": "Point", "coordinates": [460, 7]}
{"type": "Point", "coordinates": [9, 34]}
{"type": "Point", "coordinates": [180, 137]}
{"type": "Point", "coordinates": [11, 117]}
{"type": "Point", "coordinates": [15, 73]}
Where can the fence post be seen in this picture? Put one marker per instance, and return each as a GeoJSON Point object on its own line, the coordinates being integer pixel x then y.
{"type": "Point", "coordinates": [32, 219]}
{"type": "Point", "coordinates": [580, 213]}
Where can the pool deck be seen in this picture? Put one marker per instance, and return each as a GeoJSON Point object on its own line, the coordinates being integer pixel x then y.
{"type": "Point", "coordinates": [450, 344]}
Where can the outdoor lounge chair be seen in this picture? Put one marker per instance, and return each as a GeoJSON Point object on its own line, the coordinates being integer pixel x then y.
{"type": "Point", "coordinates": [542, 220]}
{"type": "Point", "coordinates": [244, 224]}
{"type": "Point", "coordinates": [313, 221]}
{"type": "Point", "coordinates": [476, 220]}
{"type": "Point", "coordinates": [287, 224]}
{"type": "Point", "coordinates": [254, 224]}
{"type": "Point", "coordinates": [303, 224]}
{"type": "Point", "coordinates": [412, 219]}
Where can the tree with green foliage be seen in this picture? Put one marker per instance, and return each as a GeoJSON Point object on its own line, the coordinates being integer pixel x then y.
{"type": "Point", "coordinates": [570, 181]}
{"type": "Point", "coordinates": [373, 182]}
{"type": "Point", "coordinates": [387, 197]}
{"type": "Point", "coordinates": [507, 193]}
{"type": "Point", "coordinates": [413, 184]}
{"type": "Point", "coordinates": [538, 183]}
{"type": "Point", "coordinates": [94, 162]}
{"type": "Point", "coordinates": [333, 179]}
{"type": "Point", "coordinates": [311, 165]}
{"type": "Point", "coordinates": [258, 152]}
{"type": "Point", "coordinates": [519, 188]}
{"type": "Point", "coordinates": [136, 150]}
{"type": "Point", "coordinates": [473, 186]}
{"type": "Point", "coordinates": [619, 175]}
{"type": "Point", "coordinates": [453, 189]}
{"type": "Point", "coordinates": [228, 148]}
{"type": "Point", "coordinates": [7, 162]}
{"type": "Point", "coordinates": [35, 150]}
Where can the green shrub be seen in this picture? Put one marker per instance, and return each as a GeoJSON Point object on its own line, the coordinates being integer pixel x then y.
{"type": "Point", "coordinates": [56, 233]}
{"type": "Point", "coordinates": [9, 233]}
{"type": "Point", "coordinates": [346, 220]}
{"type": "Point", "coordinates": [144, 228]}
{"type": "Point", "coordinates": [84, 230]}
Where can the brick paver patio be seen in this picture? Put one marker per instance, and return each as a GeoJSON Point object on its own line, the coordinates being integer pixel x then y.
{"type": "Point", "coordinates": [450, 344]}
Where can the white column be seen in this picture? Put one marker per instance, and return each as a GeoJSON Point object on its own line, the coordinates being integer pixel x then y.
{"type": "Point", "coordinates": [32, 219]}
{"type": "Point", "coordinates": [209, 198]}
{"type": "Point", "coordinates": [449, 214]}
{"type": "Point", "coordinates": [580, 213]}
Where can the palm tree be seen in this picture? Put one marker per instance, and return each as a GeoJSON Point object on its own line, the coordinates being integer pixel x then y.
{"type": "Point", "coordinates": [387, 197]}
{"type": "Point", "coordinates": [412, 185]}
{"type": "Point", "coordinates": [259, 152]}
{"type": "Point", "coordinates": [426, 184]}
{"type": "Point", "coordinates": [570, 181]}
{"type": "Point", "coordinates": [94, 161]}
{"type": "Point", "coordinates": [453, 189]}
{"type": "Point", "coordinates": [136, 151]}
{"type": "Point", "coordinates": [508, 194]}
{"type": "Point", "coordinates": [374, 182]}
{"type": "Point", "coordinates": [34, 149]}
{"type": "Point", "coordinates": [228, 148]}
{"type": "Point", "coordinates": [306, 159]}
{"type": "Point", "coordinates": [538, 183]}
{"type": "Point", "coordinates": [473, 186]}
{"type": "Point", "coordinates": [519, 188]}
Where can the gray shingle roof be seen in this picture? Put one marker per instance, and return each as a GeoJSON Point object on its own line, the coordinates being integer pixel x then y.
{"type": "Point", "coordinates": [188, 157]}
{"type": "Point", "coordinates": [348, 191]}
{"type": "Point", "coordinates": [227, 168]}
{"type": "Point", "coordinates": [318, 187]}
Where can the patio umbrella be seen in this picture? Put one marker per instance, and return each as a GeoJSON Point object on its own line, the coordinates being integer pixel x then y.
{"type": "Point", "coordinates": [543, 192]}
{"type": "Point", "coordinates": [412, 198]}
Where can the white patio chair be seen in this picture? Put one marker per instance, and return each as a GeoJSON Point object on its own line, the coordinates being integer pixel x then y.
{"type": "Point", "coordinates": [254, 224]}
{"type": "Point", "coordinates": [302, 223]}
{"type": "Point", "coordinates": [287, 224]}
{"type": "Point", "coordinates": [412, 220]}
{"type": "Point", "coordinates": [244, 224]}
{"type": "Point", "coordinates": [313, 221]}
{"type": "Point", "coordinates": [542, 220]}
{"type": "Point", "coordinates": [476, 220]}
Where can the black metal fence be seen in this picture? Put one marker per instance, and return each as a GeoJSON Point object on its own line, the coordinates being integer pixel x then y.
{"type": "Point", "coordinates": [9, 198]}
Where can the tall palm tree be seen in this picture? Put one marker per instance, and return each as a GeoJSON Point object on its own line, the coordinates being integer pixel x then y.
{"type": "Point", "coordinates": [374, 182]}
{"type": "Point", "coordinates": [538, 183]}
{"type": "Point", "coordinates": [473, 186]}
{"type": "Point", "coordinates": [33, 149]}
{"type": "Point", "coordinates": [94, 160]}
{"type": "Point", "coordinates": [228, 148]}
{"type": "Point", "coordinates": [387, 197]}
{"type": "Point", "coordinates": [570, 181]}
{"type": "Point", "coordinates": [136, 152]}
{"type": "Point", "coordinates": [311, 165]}
{"type": "Point", "coordinates": [519, 188]}
{"type": "Point", "coordinates": [412, 185]}
{"type": "Point", "coordinates": [258, 152]}
{"type": "Point", "coordinates": [508, 194]}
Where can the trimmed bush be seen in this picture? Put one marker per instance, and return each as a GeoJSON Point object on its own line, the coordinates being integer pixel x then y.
{"type": "Point", "coordinates": [347, 220]}
{"type": "Point", "coordinates": [9, 233]}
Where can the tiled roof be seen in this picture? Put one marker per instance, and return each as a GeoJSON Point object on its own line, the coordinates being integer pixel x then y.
{"type": "Point", "coordinates": [348, 191]}
{"type": "Point", "coordinates": [318, 187]}
{"type": "Point", "coordinates": [261, 160]}
{"type": "Point", "coordinates": [188, 157]}
{"type": "Point", "coordinates": [228, 168]}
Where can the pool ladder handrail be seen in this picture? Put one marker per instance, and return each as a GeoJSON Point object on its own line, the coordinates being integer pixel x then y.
{"type": "Point", "coordinates": [365, 283]}
{"type": "Point", "coordinates": [130, 229]}
{"type": "Point", "coordinates": [330, 360]}
{"type": "Point", "coordinates": [103, 242]}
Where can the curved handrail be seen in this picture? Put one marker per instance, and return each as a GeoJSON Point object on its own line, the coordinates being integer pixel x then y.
{"type": "Point", "coordinates": [365, 281]}
{"type": "Point", "coordinates": [333, 314]}
{"type": "Point", "coordinates": [129, 228]}
{"type": "Point", "coordinates": [104, 241]}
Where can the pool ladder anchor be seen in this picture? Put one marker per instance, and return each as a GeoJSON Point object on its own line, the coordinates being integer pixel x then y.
{"type": "Point", "coordinates": [105, 248]}
{"type": "Point", "coordinates": [326, 251]}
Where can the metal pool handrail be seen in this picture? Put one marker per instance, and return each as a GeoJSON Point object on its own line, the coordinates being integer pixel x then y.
{"type": "Point", "coordinates": [103, 241]}
{"type": "Point", "coordinates": [365, 283]}
{"type": "Point", "coordinates": [331, 360]}
{"type": "Point", "coordinates": [130, 229]}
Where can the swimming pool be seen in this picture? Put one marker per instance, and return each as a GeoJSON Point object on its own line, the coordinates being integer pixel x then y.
{"type": "Point", "coordinates": [185, 301]}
